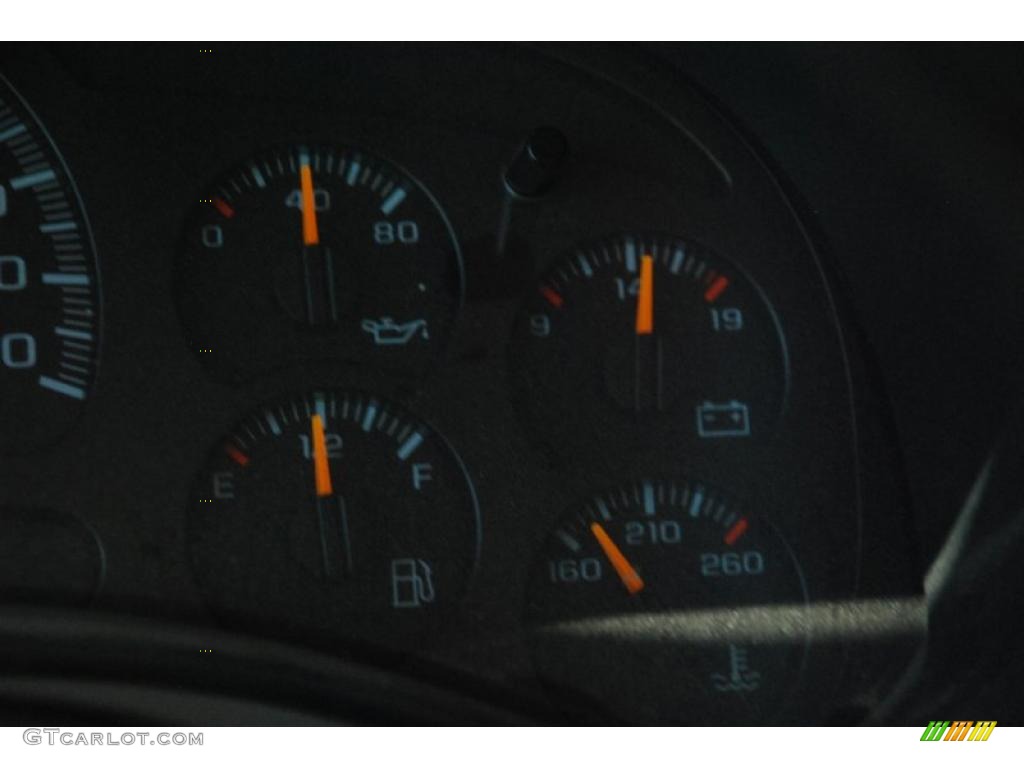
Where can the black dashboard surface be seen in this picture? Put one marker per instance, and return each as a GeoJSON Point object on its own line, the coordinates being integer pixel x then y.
{"type": "Point", "coordinates": [565, 378]}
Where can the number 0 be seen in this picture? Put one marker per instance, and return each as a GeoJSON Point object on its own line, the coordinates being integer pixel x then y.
{"type": "Point", "coordinates": [18, 350]}
{"type": "Point", "coordinates": [13, 273]}
{"type": "Point", "coordinates": [213, 236]}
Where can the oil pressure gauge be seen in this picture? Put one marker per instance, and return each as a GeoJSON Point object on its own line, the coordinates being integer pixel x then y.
{"type": "Point", "coordinates": [307, 253]}
{"type": "Point", "coordinates": [657, 342]}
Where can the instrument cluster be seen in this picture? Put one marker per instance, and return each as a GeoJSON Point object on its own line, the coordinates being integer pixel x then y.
{"type": "Point", "coordinates": [473, 359]}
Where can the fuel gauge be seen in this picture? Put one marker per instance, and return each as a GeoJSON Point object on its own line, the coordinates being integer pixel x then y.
{"type": "Point", "coordinates": [336, 514]}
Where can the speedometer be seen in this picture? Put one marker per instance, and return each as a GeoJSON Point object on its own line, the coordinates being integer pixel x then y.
{"type": "Point", "coordinates": [49, 284]}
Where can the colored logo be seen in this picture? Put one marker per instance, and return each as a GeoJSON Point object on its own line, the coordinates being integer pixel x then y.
{"type": "Point", "coordinates": [959, 730]}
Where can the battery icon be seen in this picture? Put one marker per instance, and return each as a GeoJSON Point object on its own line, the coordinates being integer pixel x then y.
{"type": "Point", "coordinates": [731, 419]}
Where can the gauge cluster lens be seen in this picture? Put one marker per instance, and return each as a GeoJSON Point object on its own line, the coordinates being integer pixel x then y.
{"type": "Point", "coordinates": [656, 577]}
{"type": "Point", "coordinates": [653, 341]}
{"type": "Point", "coordinates": [649, 382]}
{"type": "Point", "coordinates": [49, 284]}
{"type": "Point", "coordinates": [318, 253]}
{"type": "Point", "coordinates": [338, 512]}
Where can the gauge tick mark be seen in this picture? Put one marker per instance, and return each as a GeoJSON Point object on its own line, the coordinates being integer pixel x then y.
{"type": "Point", "coordinates": [223, 208]}
{"type": "Point", "coordinates": [62, 388]}
{"type": "Point", "coordinates": [32, 179]}
{"type": "Point", "coordinates": [393, 201]}
{"type": "Point", "coordinates": [552, 297]}
{"type": "Point", "coordinates": [14, 130]}
{"type": "Point", "coordinates": [716, 288]}
{"type": "Point", "coordinates": [236, 455]}
{"type": "Point", "coordinates": [409, 446]}
{"type": "Point", "coordinates": [734, 533]}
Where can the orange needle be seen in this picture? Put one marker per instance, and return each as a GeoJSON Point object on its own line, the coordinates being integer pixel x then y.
{"type": "Point", "coordinates": [630, 578]}
{"type": "Point", "coordinates": [645, 298]}
{"type": "Point", "coordinates": [322, 468]}
{"type": "Point", "coordinates": [310, 233]}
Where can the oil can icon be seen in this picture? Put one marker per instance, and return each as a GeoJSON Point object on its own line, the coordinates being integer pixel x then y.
{"type": "Point", "coordinates": [387, 333]}
{"type": "Point", "coordinates": [412, 584]}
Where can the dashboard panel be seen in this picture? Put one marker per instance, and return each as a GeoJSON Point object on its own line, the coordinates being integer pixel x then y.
{"type": "Point", "coordinates": [485, 364]}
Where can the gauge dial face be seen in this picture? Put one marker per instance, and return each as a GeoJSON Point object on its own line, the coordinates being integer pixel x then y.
{"type": "Point", "coordinates": [318, 253]}
{"type": "Point", "coordinates": [336, 513]}
{"type": "Point", "coordinates": [49, 284]}
{"type": "Point", "coordinates": [670, 579]}
{"type": "Point", "coordinates": [657, 341]}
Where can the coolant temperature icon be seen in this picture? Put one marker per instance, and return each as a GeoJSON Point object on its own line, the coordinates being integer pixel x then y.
{"type": "Point", "coordinates": [740, 676]}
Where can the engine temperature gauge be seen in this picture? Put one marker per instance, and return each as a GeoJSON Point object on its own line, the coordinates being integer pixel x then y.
{"type": "Point", "coordinates": [675, 583]}
{"type": "Point", "coordinates": [318, 253]}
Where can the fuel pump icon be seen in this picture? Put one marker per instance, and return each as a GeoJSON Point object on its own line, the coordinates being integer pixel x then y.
{"type": "Point", "coordinates": [412, 584]}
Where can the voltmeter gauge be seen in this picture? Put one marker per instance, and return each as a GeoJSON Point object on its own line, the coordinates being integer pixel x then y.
{"type": "Point", "coordinates": [656, 342]}
{"type": "Point", "coordinates": [658, 602]}
{"type": "Point", "coordinates": [318, 253]}
{"type": "Point", "coordinates": [337, 515]}
{"type": "Point", "coordinates": [49, 284]}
